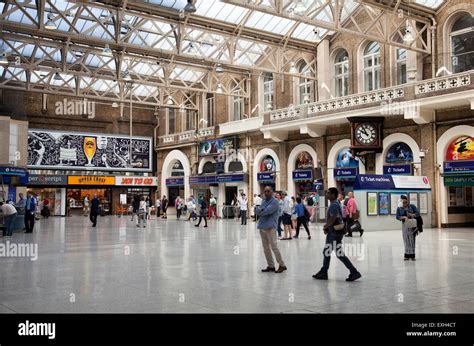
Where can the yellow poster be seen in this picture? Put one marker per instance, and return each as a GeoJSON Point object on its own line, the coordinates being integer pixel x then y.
{"type": "Point", "coordinates": [90, 180]}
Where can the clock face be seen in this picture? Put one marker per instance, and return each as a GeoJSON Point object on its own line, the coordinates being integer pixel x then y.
{"type": "Point", "coordinates": [366, 133]}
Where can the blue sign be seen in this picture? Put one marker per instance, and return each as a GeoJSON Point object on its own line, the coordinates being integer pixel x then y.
{"type": "Point", "coordinates": [318, 185]}
{"type": "Point", "coordinates": [345, 173]}
{"type": "Point", "coordinates": [397, 170]}
{"type": "Point", "coordinates": [266, 177]}
{"type": "Point", "coordinates": [374, 182]}
{"type": "Point", "coordinates": [464, 166]}
{"type": "Point", "coordinates": [11, 170]}
{"type": "Point", "coordinates": [175, 182]}
{"type": "Point", "coordinates": [303, 175]}
{"type": "Point", "coordinates": [215, 179]}
{"type": "Point", "coordinates": [12, 193]}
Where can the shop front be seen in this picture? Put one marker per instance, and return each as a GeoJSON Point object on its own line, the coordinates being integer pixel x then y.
{"type": "Point", "coordinates": [126, 187]}
{"type": "Point", "coordinates": [82, 186]}
{"type": "Point", "coordinates": [175, 187]}
{"type": "Point", "coordinates": [222, 186]}
{"type": "Point", "coordinates": [458, 179]}
{"type": "Point", "coordinates": [51, 187]}
{"type": "Point", "coordinates": [345, 171]}
{"type": "Point", "coordinates": [12, 177]}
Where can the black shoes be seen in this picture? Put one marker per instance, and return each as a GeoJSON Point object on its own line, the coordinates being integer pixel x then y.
{"type": "Point", "coordinates": [361, 232]}
{"type": "Point", "coordinates": [281, 269]}
{"type": "Point", "coordinates": [268, 270]}
{"type": "Point", "coordinates": [309, 237]}
{"type": "Point", "coordinates": [348, 235]}
{"type": "Point", "coordinates": [354, 276]}
{"type": "Point", "coordinates": [320, 276]}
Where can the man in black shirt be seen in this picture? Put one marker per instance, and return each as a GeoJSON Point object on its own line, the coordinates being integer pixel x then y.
{"type": "Point", "coordinates": [94, 210]}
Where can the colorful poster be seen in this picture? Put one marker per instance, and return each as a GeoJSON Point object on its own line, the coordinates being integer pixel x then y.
{"type": "Point", "coordinates": [217, 147]}
{"type": "Point", "coordinates": [78, 151]}
{"type": "Point", "coordinates": [462, 148]}
{"type": "Point", "coordinates": [304, 161]}
{"type": "Point", "coordinates": [267, 164]}
{"type": "Point", "coordinates": [384, 203]}
{"type": "Point", "coordinates": [345, 159]}
{"type": "Point", "coordinates": [399, 153]}
{"type": "Point", "coordinates": [372, 204]}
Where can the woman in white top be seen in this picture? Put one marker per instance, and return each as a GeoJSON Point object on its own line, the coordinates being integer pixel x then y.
{"type": "Point", "coordinates": [142, 213]}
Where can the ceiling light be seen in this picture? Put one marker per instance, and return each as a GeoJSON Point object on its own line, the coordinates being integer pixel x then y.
{"type": "Point", "coordinates": [107, 51]}
{"type": "Point", "coordinates": [190, 8]}
{"type": "Point", "coordinates": [57, 76]}
{"type": "Point", "coordinates": [170, 101]}
{"type": "Point", "coordinates": [300, 8]}
{"type": "Point", "coordinates": [50, 24]}
{"type": "Point", "coordinates": [291, 12]}
{"type": "Point", "coordinates": [408, 37]}
{"type": "Point", "coordinates": [115, 105]}
{"type": "Point", "coordinates": [219, 68]}
{"type": "Point", "coordinates": [219, 88]}
{"type": "Point", "coordinates": [293, 68]}
{"type": "Point", "coordinates": [3, 59]}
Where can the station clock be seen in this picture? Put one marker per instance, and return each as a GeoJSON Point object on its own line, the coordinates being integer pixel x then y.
{"type": "Point", "coordinates": [366, 134]}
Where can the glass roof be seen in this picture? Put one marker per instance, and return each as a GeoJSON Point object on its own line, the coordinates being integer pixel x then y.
{"type": "Point", "coordinates": [430, 3]}
{"type": "Point", "coordinates": [155, 33]}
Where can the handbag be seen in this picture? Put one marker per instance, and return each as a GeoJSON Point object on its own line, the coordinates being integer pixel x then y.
{"type": "Point", "coordinates": [411, 223]}
{"type": "Point", "coordinates": [356, 226]}
{"type": "Point", "coordinates": [338, 227]}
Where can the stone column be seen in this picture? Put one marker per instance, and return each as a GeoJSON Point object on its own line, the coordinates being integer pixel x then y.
{"type": "Point", "coordinates": [323, 70]}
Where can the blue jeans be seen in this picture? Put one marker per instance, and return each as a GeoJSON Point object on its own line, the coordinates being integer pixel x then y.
{"type": "Point", "coordinates": [9, 220]}
{"type": "Point", "coordinates": [279, 229]}
{"type": "Point", "coordinates": [334, 243]}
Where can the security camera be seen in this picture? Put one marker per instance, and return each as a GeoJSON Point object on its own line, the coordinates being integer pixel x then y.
{"type": "Point", "coordinates": [316, 31]}
{"type": "Point", "coordinates": [422, 154]}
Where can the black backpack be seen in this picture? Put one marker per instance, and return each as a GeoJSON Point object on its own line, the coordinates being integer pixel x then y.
{"type": "Point", "coordinates": [309, 201]}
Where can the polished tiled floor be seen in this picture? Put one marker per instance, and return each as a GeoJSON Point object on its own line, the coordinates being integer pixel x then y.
{"type": "Point", "coordinates": [172, 266]}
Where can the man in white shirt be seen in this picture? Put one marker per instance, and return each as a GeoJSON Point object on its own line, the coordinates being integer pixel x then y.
{"type": "Point", "coordinates": [9, 214]}
{"type": "Point", "coordinates": [257, 202]}
{"type": "Point", "coordinates": [243, 201]}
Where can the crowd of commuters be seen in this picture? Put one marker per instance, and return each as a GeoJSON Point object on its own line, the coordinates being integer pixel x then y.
{"type": "Point", "coordinates": [275, 211]}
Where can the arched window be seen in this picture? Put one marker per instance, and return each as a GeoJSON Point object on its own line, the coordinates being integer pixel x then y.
{"type": "Point", "coordinates": [209, 167]}
{"type": "Point", "coordinates": [341, 73]}
{"type": "Point", "coordinates": [237, 105]}
{"type": "Point", "coordinates": [401, 66]}
{"type": "Point", "coordinates": [171, 121]}
{"type": "Point", "coordinates": [236, 166]}
{"type": "Point", "coordinates": [462, 44]}
{"type": "Point", "coordinates": [177, 170]}
{"type": "Point", "coordinates": [372, 66]}
{"type": "Point", "coordinates": [304, 84]}
{"type": "Point", "coordinates": [268, 90]}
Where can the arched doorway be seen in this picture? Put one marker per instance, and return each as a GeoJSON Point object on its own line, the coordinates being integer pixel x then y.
{"type": "Point", "coordinates": [456, 184]}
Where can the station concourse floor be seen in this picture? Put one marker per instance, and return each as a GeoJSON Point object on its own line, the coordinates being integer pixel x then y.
{"type": "Point", "coordinates": [172, 266]}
